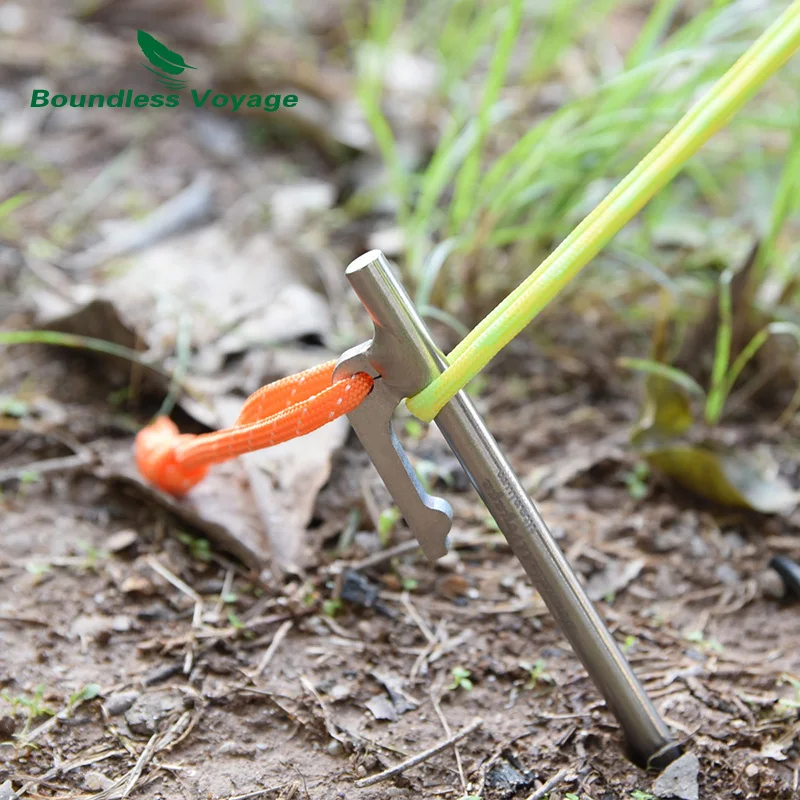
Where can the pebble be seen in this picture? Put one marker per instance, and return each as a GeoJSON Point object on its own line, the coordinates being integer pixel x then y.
{"type": "Point", "coordinates": [220, 137]}
{"type": "Point", "coordinates": [121, 540]}
{"type": "Point", "coordinates": [771, 584]}
{"type": "Point", "coordinates": [97, 782]}
{"type": "Point", "coordinates": [679, 779]}
{"type": "Point", "coordinates": [138, 584]}
{"type": "Point", "coordinates": [145, 715]}
{"type": "Point", "coordinates": [751, 770]}
{"type": "Point", "coordinates": [7, 727]}
{"type": "Point", "coordinates": [161, 673]}
{"type": "Point", "coordinates": [727, 575]}
{"type": "Point", "coordinates": [121, 702]}
{"type": "Point", "coordinates": [335, 748]}
{"type": "Point", "coordinates": [233, 748]}
{"type": "Point", "coordinates": [7, 791]}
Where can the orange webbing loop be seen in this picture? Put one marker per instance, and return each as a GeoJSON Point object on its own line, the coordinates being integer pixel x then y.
{"type": "Point", "coordinates": [280, 411]}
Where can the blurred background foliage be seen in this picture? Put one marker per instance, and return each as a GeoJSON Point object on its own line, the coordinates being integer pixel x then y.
{"type": "Point", "coordinates": [472, 135]}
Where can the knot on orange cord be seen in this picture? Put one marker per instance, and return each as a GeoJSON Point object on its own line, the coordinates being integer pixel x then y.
{"type": "Point", "coordinates": [280, 411]}
{"type": "Point", "coordinates": [156, 457]}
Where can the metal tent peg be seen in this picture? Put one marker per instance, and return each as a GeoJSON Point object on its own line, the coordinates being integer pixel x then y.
{"type": "Point", "coordinates": [403, 359]}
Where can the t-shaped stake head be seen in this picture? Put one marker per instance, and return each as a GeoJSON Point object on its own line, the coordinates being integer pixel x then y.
{"type": "Point", "coordinates": [403, 359]}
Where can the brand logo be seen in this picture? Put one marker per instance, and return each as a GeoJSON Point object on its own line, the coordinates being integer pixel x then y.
{"type": "Point", "coordinates": [167, 66]}
{"type": "Point", "coordinates": [164, 59]}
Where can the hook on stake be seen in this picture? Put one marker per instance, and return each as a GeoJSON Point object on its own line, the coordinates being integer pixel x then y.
{"type": "Point", "coordinates": [403, 359]}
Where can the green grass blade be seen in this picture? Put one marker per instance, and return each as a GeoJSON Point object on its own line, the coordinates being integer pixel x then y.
{"type": "Point", "coordinates": [722, 351]}
{"type": "Point", "coordinates": [468, 176]}
{"type": "Point", "coordinates": [672, 374]}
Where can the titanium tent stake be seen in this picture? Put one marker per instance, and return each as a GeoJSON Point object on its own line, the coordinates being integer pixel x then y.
{"type": "Point", "coordinates": [403, 359]}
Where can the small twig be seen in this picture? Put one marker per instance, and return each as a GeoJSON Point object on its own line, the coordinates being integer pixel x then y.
{"type": "Point", "coordinates": [48, 465]}
{"type": "Point", "coordinates": [227, 585]}
{"type": "Point", "coordinates": [546, 787]}
{"type": "Point", "coordinates": [424, 756]}
{"type": "Point", "coordinates": [279, 636]}
{"type": "Point", "coordinates": [384, 555]}
{"type": "Point", "coordinates": [141, 763]}
{"type": "Point", "coordinates": [439, 713]}
{"type": "Point", "coordinates": [330, 725]}
{"type": "Point", "coordinates": [197, 616]}
{"type": "Point", "coordinates": [68, 766]}
{"type": "Point", "coordinates": [158, 567]}
{"type": "Point", "coordinates": [25, 619]}
{"type": "Point", "coordinates": [258, 792]}
{"type": "Point", "coordinates": [417, 617]}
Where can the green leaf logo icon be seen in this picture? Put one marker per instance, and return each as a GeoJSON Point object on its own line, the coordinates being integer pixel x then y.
{"type": "Point", "coordinates": [164, 59]}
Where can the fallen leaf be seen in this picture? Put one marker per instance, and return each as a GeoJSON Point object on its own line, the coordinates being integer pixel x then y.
{"type": "Point", "coordinates": [613, 578]}
{"type": "Point", "coordinates": [393, 684]}
{"type": "Point", "coordinates": [726, 476]}
{"type": "Point", "coordinates": [381, 708]}
{"type": "Point", "coordinates": [234, 297]}
{"type": "Point", "coordinates": [666, 413]}
{"type": "Point", "coordinates": [285, 480]}
{"type": "Point", "coordinates": [773, 750]}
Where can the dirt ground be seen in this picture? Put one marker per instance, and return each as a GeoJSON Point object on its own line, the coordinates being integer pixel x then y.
{"type": "Point", "coordinates": [279, 635]}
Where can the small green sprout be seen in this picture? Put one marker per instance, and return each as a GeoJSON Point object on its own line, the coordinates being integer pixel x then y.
{"type": "Point", "coordinates": [461, 679]}
{"type": "Point", "coordinates": [38, 569]}
{"type": "Point", "coordinates": [239, 626]}
{"type": "Point", "coordinates": [786, 702]}
{"type": "Point", "coordinates": [199, 547]}
{"type": "Point", "coordinates": [118, 397]}
{"type": "Point", "coordinates": [309, 596]}
{"type": "Point", "coordinates": [92, 556]}
{"type": "Point", "coordinates": [331, 607]}
{"type": "Point", "coordinates": [537, 673]}
{"type": "Point", "coordinates": [636, 480]}
{"type": "Point", "coordinates": [88, 692]}
{"type": "Point", "coordinates": [630, 642]}
{"type": "Point", "coordinates": [409, 584]}
{"type": "Point", "coordinates": [12, 407]}
{"type": "Point", "coordinates": [706, 644]}
{"type": "Point", "coordinates": [33, 706]}
{"type": "Point", "coordinates": [638, 794]}
{"type": "Point", "coordinates": [387, 522]}
{"type": "Point", "coordinates": [235, 621]}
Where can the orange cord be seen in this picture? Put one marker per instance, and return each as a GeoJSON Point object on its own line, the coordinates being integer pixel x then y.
{"type": "Point", "coordinates": [280, 411]}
